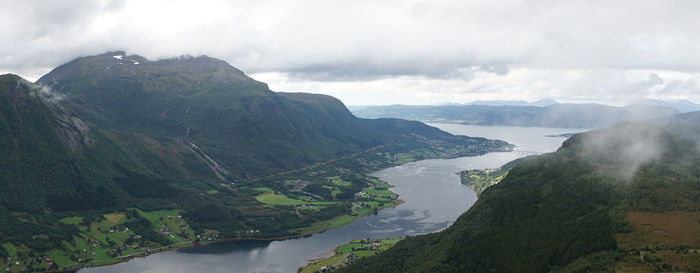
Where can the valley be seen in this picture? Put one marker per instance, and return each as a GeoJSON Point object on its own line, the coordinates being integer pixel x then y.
{"type": "Point", "coordinates": [349, 136]}
{"type": "Point", "coordinates": [432, 199]}
{"type": "Point", "coordinates": [80, 170]}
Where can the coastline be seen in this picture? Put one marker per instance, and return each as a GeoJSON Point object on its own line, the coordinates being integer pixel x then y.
{"type": "Point", "coordinates": [315, 228]}
{"type": "Point", "coordinates": [193, 244]}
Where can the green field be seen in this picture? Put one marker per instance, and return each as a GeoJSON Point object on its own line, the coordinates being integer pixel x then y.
{"type": "Point", "coordinates": [278, 199]}
{"type": "Point", "coordinates": [283, 200]}
{"type": "Point", "coordinates": [72, 220]}
{"type": "Point", "coordinates": [336, 180]}
{"type": "Point", "coordinates": [264, 189]}
{"type": "Point", "coordinates": [342, 221]}
{"type": "Point", "coordinates": [97, 241]}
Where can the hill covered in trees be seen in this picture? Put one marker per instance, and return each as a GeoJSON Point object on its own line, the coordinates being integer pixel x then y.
{"type": "Point", "coordinates": [623, 199]}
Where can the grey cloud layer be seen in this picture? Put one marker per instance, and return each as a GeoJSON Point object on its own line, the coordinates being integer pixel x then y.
{"type": "Point", "coordinates": [329, 41]}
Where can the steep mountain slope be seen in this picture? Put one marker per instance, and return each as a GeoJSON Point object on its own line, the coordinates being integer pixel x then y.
{"type": "Point", "coordinates": [555, 115]}
{"type": "Point", "coordinates": [53, 159]}
{"type": "Point", "coordinates": [237, 121]}
{"type": "Point", "coordinates": [575, 210]}
{"type": "Point", "coordinates": [53, 164]}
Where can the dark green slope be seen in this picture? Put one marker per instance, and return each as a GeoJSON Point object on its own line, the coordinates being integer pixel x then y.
{"type": "Point", "coordinates": [53, 164]}
{"type": "Point", "coordinates": [37, 165]}
{"type": "Point", "coordinates": [553, 210]}
{"type": "Point", "coordinates": [237, 121]}
{"type": "Point", "coordinates": [51, 159]}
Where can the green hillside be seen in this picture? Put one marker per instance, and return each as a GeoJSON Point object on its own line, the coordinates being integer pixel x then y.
{"type": "Point", "coordinates": [53, 159]}
{"type": "Point", "coordinates": [602, 202]}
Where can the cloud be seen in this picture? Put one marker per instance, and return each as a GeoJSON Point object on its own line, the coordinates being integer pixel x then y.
{"type": "Point", "coordinates": [617, 87]}
{"type": "Point", "coordinates": [626, 147]}
{"type": "Point", "coordinates": [335, 42]}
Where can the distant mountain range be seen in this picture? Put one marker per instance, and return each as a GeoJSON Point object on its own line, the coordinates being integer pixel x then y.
{"type": "Point", "coordinates": [555, 115]}
{"type": "Point", "coordinates": [680, 105]}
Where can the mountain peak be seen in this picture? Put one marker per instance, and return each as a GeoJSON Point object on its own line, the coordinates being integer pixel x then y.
{"type": "Point", "coordinates": [188, 70]}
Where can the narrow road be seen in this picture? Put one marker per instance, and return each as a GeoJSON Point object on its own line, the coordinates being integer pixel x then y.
{"type": "Point", "coordinates": [342, 259]}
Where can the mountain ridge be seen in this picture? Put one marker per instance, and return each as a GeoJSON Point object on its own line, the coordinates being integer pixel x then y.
{"type": "Point", "coordinates": [564, 115]}
{"type": "Point", "coordinates": [207, 101]}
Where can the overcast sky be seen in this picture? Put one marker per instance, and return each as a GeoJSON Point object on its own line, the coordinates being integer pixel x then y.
{"type": "Point", "coordinates": [387, 52]}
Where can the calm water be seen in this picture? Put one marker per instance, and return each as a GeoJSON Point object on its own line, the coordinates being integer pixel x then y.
{"type": "Point", "coordinates": [433, 195]}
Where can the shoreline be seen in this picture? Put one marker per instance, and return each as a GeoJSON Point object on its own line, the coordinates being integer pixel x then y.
{"type": "Point", "coordinates": [193, 244]}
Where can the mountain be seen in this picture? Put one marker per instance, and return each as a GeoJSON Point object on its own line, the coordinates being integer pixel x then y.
{"type": "Point", "coordinates": [498, 102]}
{"type": "Point", "coordinates": [54, 163]}
{"type": "Point", "coordinates": [554, 115]}
{"type": "Point", "coordinates": [685, 124]}
{"type": "Point", "coordinates": [119, 142]}
{"type": "Point", "coordinates": [681, 105]}
{"type": "Point", "coordinates": [541, 103]}
{"type": "Point", "coordinates": [186, 123]}
{"type": "Point", "coordinates": [237, 121]}
{"type": "Point", "coordinates": [623, 199]}
{"type": "Point", "coordinates": [53, 159]}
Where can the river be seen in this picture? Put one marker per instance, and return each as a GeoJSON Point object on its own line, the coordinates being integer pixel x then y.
{"type": "Point", "coordinates": [433, 195]}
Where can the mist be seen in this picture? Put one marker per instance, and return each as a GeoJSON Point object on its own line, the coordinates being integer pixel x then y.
{"type": "Point", "coordinates": [625, 147]}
